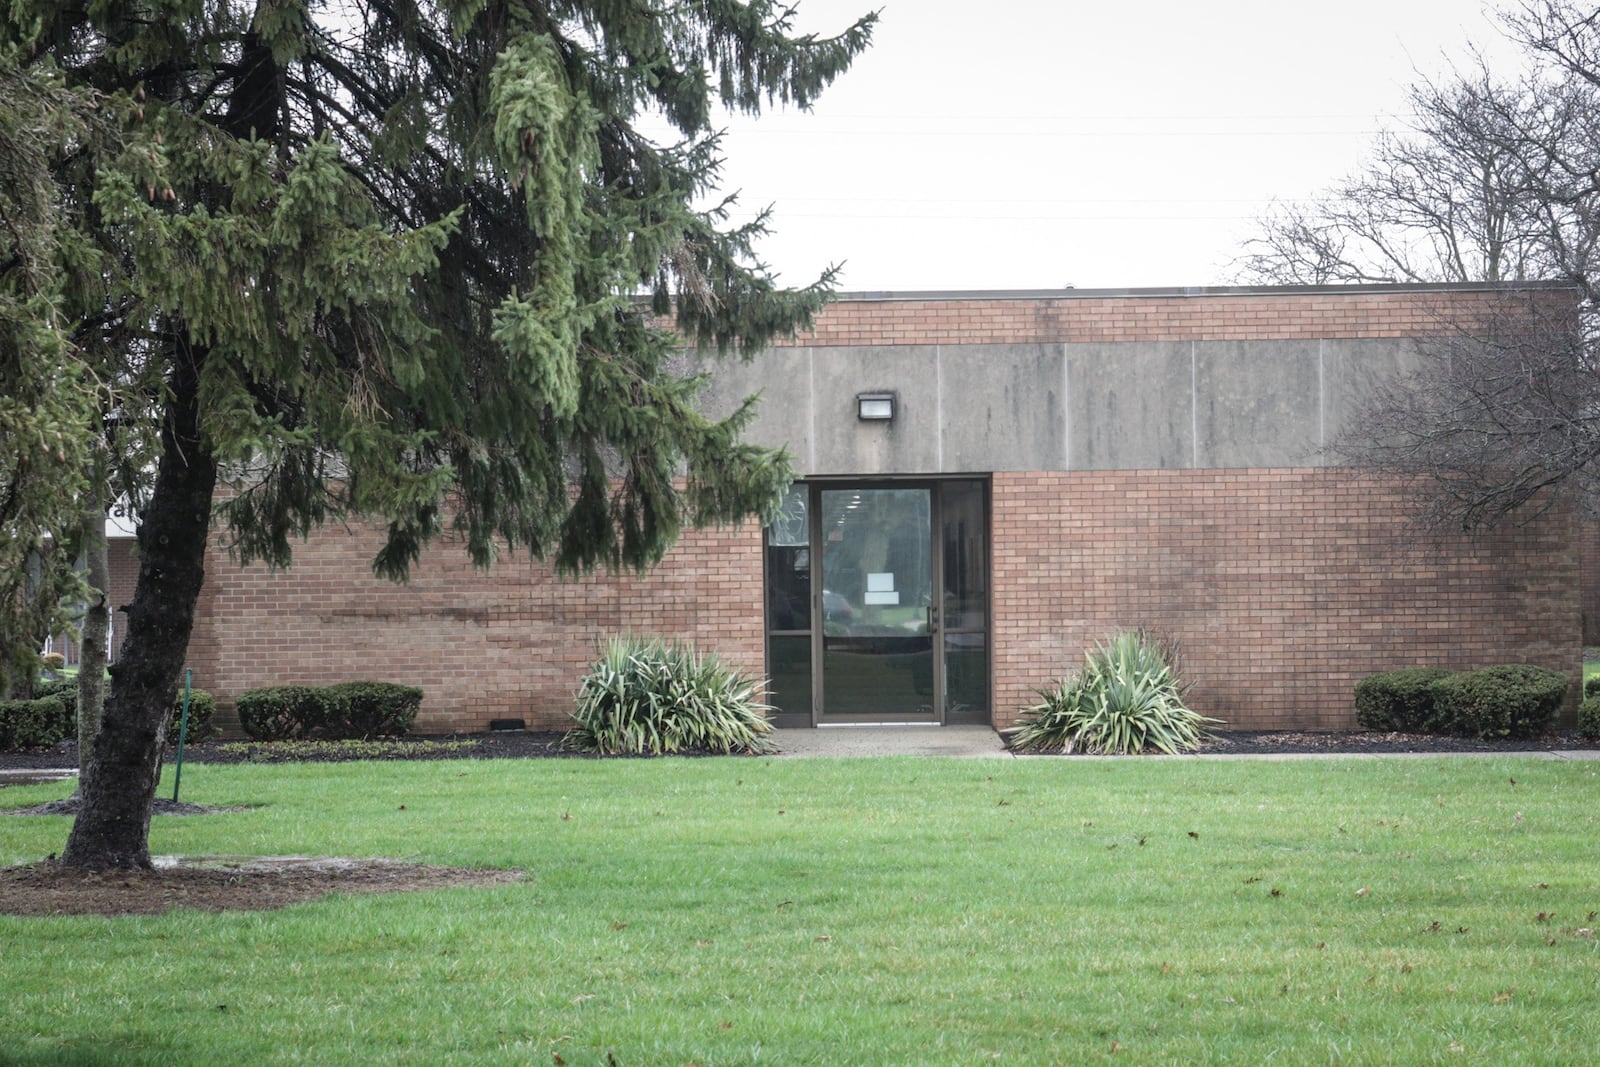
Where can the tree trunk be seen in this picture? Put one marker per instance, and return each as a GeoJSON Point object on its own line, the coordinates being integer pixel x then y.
{"type": "Point", "coordinates": [92, 645]}
{"type": "Point", "coordinates": [118, 789]}
{"type": "Point", "coordinates": [36, 587]}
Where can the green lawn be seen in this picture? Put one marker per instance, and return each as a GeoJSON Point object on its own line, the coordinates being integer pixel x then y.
{"type": "Point", "coordinates": [896, 911]}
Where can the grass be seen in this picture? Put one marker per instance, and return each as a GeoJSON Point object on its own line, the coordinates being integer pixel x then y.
{"type": "Point", "coordinates": [737, 911]}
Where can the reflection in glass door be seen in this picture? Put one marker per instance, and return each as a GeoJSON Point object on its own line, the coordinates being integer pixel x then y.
{"type": "Point", "coordinates": [877, 603]}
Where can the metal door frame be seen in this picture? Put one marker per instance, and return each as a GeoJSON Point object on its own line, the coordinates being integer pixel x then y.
{"type": "Point", "coordinates": [934, 487]}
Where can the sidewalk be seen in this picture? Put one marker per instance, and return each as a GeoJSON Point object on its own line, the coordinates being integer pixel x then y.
{"type": "Point", "coordinates": [32, 776]}
{"type": "Point", "coordinates": [964, 742]}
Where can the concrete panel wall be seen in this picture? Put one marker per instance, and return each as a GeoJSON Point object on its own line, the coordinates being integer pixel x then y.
{"type": "Point", "coordinates": [1350, 370]}
{"type": "Point", "coordinates": [782, 377]}
{"type": "Point", "coordinates": [1139, 405]}
{"type": "Point", "coordinates": [1256, 404]}
{"type": "Point", "coordinates": [1001, 406]}
{"type": "Point", "coordinates": [911, 442]}
{"type": "Point", "coordinates": [1132, 406]}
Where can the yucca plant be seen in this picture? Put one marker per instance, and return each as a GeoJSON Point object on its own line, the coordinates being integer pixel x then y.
{"type": "Point", "coordinates": [1127, 699]}
{"type": "Point", "coordinates": [645, 696]}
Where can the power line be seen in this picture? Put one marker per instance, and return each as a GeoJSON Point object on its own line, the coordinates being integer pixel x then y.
{"type": "Point", "coordinates": [1029, 217]}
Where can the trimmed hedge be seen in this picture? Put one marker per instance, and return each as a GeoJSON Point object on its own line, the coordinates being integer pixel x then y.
{"type": "Point", "coordinates": [1591, 687]}
{"type": "Point", "coordinates": [1589, 719]}
{"type": "Point", "coordinates": [373, 709]}
{"type": "Point", "coordinates": [37, 723]}
{"type": "Point", "coordinates": [281, 712]}
{"type": "Point", "coordinates": [202, 709]}
{"type": "Point", "coordinates": [1400, 700]}
{"type": "Point", "coordinates": [1516, 700]}
{"type": "Point", "coordinates": [202, 712]}
{"type": "Point", "coordinates": [65, 688]}
{"type": "Point", "coordinates": [349, 710]}
{"type": "Point", "coordinates": [1509, 701]}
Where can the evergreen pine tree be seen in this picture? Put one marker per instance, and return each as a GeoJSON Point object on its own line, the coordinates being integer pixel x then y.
{"type": "Point", "coordinates": [390, 258]}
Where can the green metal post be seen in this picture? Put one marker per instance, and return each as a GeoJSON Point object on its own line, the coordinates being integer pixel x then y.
{"type": "Point", "coordinates": [183, 732]}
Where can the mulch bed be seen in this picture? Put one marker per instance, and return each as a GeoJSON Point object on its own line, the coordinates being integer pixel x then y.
{"type": "Point", "coordinates": [523, 744]}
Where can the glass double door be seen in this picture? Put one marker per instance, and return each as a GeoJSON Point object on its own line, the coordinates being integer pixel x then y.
{"type": "Point", "coordinates": [878, 603]}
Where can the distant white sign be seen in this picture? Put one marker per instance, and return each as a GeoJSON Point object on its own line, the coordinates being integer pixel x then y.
{"type": "Point", "coordinates": [880, 589]}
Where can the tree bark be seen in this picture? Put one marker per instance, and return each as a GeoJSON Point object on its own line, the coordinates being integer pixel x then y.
{"type": "Point", "coordinates": [118, 789]}
{"type": "Point", "coordinates": [36, 586]}
{"type": "Point", "coordinates": [92, 645]}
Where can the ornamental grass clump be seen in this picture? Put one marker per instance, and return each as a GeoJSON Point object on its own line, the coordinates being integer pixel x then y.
{"type": "Point", "coordinates": [1127, 699]}
{"type": "Point", "coordinates": [653, 697]}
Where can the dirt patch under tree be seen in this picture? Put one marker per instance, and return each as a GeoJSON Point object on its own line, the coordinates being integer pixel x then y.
{"type": "Point", "coordinates": [217, 884]}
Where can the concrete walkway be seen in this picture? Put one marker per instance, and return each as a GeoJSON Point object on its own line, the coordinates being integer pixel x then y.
{"type": "Point", "coordinates": [967, 742]}
{"type": "Point", "coordinates": [24, 776]}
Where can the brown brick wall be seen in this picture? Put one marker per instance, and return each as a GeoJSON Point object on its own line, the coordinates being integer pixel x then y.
{"type": "Point", "coordinates": [122, 563]}
{"type": "Point", "coordinates": [1588, 536]}
{"type": "Point", "coordinates": [1284, 587]}
{"type": "Point", "coordinates": [511, 642]}
{"type": "Point", "coordinates": [122, 566]}
{"type": "Point", "coordinates": [1203, 317]}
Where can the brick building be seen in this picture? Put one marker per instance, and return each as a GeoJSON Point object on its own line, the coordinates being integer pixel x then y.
{"type": "Point", "coordinates": [992, 482]}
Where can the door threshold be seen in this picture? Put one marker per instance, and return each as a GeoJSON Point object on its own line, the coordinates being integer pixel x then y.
{"type": "Point", "coordinates": [871, 725]}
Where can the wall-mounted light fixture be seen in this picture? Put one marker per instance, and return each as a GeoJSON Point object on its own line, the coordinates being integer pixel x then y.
{"type": "Point", "coordinates": [875, 407]}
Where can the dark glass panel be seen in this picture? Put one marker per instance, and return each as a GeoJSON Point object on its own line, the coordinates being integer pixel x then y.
{"type": "Point", "coordinates": [966, 557]}
{"type": "Point", "coordinates": [789, 564]}
{"type": "Point", "coordinates": [789, 674]}
{"type": "Point", "coordinates": [877, 589]}
{"type": "Point", "coordinates": [966, 674]}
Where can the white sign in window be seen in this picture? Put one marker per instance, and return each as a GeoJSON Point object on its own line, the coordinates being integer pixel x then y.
{"type": "Point", "coordinates": [880, 589]}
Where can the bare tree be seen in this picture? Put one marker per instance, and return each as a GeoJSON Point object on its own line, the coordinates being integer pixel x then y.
{"type": "Point", "coordinates": [1461, 195]}
{"type": "Point", "coordinates": [1495, 180]}
{"type": "Point", "coordinates": [1502, 411]}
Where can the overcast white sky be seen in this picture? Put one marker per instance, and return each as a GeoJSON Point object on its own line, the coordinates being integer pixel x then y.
{"type": "Point", "coordinates": [1036, 144]}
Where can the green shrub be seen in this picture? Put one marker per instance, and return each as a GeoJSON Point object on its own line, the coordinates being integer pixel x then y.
{"type": "Point", "coordinates": [1398, 700]}
{"type": "Point", "coordinates": [65, 688]}
{"type": "Point", "coordinates": [279, 712]}
{"type": "Point", "coordinates": [1515, 700]}
{"type": "Point", "coordinates": [347, 711]}
{"type": "Point", "coordinates": [647, 696]}
{"type": "Point", "coordinates": [1591, 687]}
{"type": "Point", "coordinates": [37, 723]}
{"type": "Point", "coordinates": [202, 710]}
{"type": "Point", "coordinates": [1589, 719]}
{"type": "Point", "coordinates": [1127, 699]}
{"type": "Point", "coordinates": [371, 709]}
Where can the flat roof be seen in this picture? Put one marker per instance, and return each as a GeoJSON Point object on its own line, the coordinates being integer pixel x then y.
{"type": "Point", "coordinates": [1167, 292]}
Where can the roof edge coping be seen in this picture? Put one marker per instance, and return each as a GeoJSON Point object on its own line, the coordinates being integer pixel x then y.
{"type": "Point", "coordinates": [1168, 292]}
